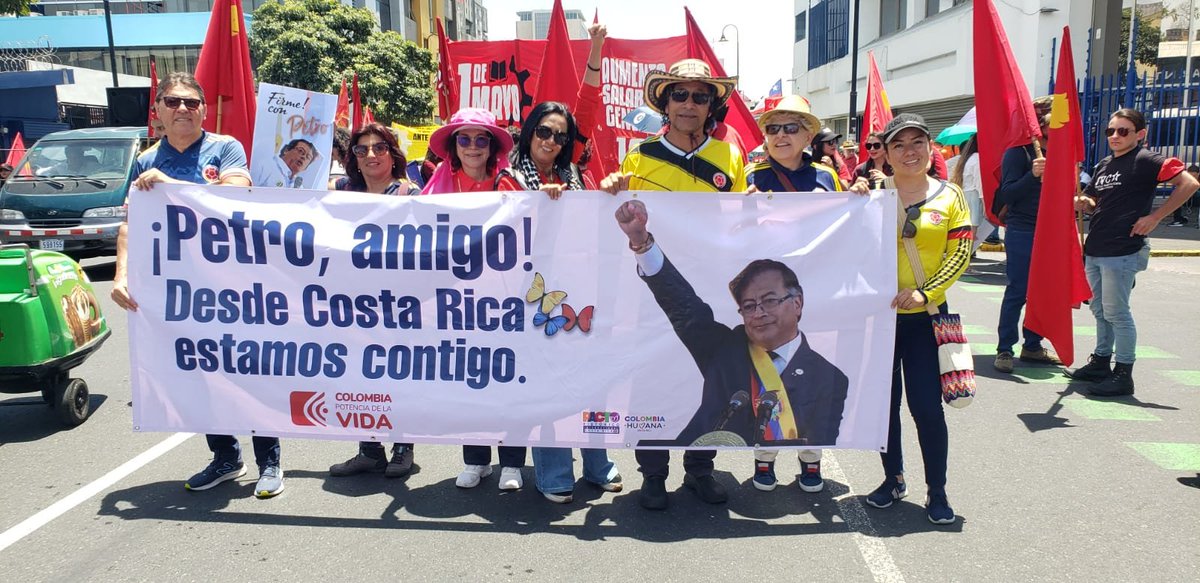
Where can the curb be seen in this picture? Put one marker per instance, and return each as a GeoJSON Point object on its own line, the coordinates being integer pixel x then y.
{"type": "Point", "coordinates": [999, 247]}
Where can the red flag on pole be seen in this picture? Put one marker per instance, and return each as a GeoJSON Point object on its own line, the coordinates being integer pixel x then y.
{"type": "Point", "coordinates": [1002, 105]}
{"type": "Point", "coordinates": [877, 111]}
{"type": "Point", "coordinates": [152, 115]}
{"type": "Point", "coordinates": [596, 16]}
{"type": "Point", "coordinates": [447, 81]}
{"type": "Point", "coordinates": [341, 116]}
{"type": "Point", "coordinates": [559, 79]}
{"type": "Point", "coordinates": [368, 117]}
{"type": "Point", "coordinates": [224, 72]}
{"type": "Point", "coordinates": [356, 114]}
{"type": "Point", "coordinates": [15, 153]}
{"type": "Point", "coordinates": [1057, 283]}
{"type": "Point", "coordinates": [738, 118]}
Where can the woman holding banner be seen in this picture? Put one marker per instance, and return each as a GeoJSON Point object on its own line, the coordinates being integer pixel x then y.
{"type": "Point", "coordinates": [939, 223]}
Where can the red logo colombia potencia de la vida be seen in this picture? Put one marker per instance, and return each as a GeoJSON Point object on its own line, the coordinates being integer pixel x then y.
{"type": "Point", "coordinates": [308, 408]}
{"type": "Point", "coordinates": [351, 410]}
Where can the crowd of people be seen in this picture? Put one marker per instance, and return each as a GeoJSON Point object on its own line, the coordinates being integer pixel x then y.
{"type": "Point", "coordinates": [938, 216]}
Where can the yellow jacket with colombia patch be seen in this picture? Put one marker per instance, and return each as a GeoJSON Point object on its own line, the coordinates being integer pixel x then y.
{"type": "Point", "coordinates": [715, 166]}
{"type": "Point", "coordinates": [944, 238]}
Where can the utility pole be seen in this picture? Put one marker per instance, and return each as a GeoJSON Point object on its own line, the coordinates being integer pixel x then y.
{"type": "Point", "coordinates": [112, 52]}
{"type": "Point", "coordinates": [852, 118]}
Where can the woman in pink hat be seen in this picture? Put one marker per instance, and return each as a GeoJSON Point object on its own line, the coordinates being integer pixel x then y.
{"type": "Point", "coordinates": [474, 149]}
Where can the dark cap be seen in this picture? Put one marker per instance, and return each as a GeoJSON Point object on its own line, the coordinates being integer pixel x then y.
{"type": "Point", "coordinates": [826, 135]}
{"type": "Point", "coordinates": [902, 122]}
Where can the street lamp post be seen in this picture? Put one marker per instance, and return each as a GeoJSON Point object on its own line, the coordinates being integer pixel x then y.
{"type": "Point", "coordinates": [737, 51]}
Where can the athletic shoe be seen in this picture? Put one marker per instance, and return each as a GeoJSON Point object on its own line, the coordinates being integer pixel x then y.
{"type": "Point", "coordinates": [560, 497]}
{"type": "Point", "coordinates": [359, 464]}
{"type": "Point", "coordinates": [890, 491]}
{"type": "Point", "coordinates": [1004, 361]}
{"type": "Point", "coordinates": [270, 482]}
{"type": "Point", "coordinates": [471, 475]}
{"type": "Point", "coordinates": [938, 509]}
{"type": "Point", "coordinates": [510, 479]}
{"type": "Point", "coordinates": [401, 464]}
{"type": "Point", "coordinates": [214, 474]}
{"type": "Point", "coordinates": [810, 477]}
{"type": "Point", "coordinates": [1178, 223]}
{"type": "Point", "coordinates": [1041, 356]}
{"type": "Point", "coordinates": [764, 476]}
{"type": "Point", "coordinates": [613, 485]}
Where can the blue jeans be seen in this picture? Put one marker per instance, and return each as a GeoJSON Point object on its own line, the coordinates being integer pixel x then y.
{"type": "Point", "coordinates": [1111, 279]}
{"type": "Point", "coordinates": [915, 372]}
{"type": "Point", "coordinates": [554, 468]}
{"type": "Point", "coordinates": [226, 448]}
{"type": "Point", "coordinates": [1018, 249]}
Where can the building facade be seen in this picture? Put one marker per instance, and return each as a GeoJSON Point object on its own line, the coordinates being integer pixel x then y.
{"type": "Point", "coordinates": [535, 24]}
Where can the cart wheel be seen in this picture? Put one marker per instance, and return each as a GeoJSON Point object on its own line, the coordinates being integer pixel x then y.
{"type": "Point", "coordinates": [72, 402]}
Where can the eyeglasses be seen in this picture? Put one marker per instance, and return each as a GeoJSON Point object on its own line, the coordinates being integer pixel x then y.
{"type": "Point", "coordinates": [910, 224]}
{"type": "Point", "coordinates": [1123, 132]}
{"type": "Point", "coordinates": [481, 141]}
{"type": "Point", "coordinates": [545, 133]}
{"type": "Point", "coordinates": [380, 148]}
{"type": "Point", "coordinates": [768, 305]}
{"type": "Point", "coordinates": [173, 102]}
{"type": "Point", "coordinates": [788, 128]}
{"type": "Point", "coordinates": [874, 145]}
{"type": "Point", "coordinates": [698, 97]}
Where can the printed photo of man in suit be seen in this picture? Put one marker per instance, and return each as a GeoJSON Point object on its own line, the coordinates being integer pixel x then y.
{"type": "Point", "coordinates": [762, 380]}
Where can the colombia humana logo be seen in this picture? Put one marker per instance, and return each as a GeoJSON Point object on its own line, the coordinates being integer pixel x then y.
{"type": "Point", "coordinates": [351, 410]}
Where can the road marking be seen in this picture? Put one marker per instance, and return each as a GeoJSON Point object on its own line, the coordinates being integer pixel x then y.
{"type": "Point", "coordinates": [31, 524]}
{"type": "Point", "coordinates": [1108, 410]}
{"type": "Point", "coordinates": [1190, 378]}
{"type": "Point", "coordinates": [1152, 352]}
{"type": "Point", "coordinates": [866, 538]}
{"type": "Point", "coordinates": [1181, 457]}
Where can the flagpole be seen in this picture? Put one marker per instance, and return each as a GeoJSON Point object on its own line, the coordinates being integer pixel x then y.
{"type": "Point", "coordinates": [219, 113]}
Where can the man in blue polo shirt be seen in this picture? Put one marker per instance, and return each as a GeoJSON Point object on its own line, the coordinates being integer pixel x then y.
{"type": "Point", "coordinates": [189, 155]}
{"type": "Point", "coordinates": [789, 129]}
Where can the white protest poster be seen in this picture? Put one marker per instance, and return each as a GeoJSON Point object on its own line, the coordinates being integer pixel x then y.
{"type": "Point", "coordinates": [509, 318]}
{"type": "Point", "coordinates": [293, 138]}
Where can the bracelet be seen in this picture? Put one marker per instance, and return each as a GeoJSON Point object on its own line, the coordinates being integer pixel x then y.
{"type": "Point", "coordinates": [591, 68]}
{"type": "Point", "coordinates": [645, 246]}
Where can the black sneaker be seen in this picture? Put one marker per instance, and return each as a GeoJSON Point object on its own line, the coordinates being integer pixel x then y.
{"type": "Point", "coordinates": [401, 464]}
{"type": "Point", "coordinates": [357, 465]}
{"type": "Point", "coordinates": [938, 509]}
{"type": "Point", "coordinates": [1118, 384]}
{"type": "Point", "coordinates": [810, 477]}
{"type": "Point", "coordinates": [1097, 369]}
{"type": "Point", "coordinates": [707, 488]}
{"type": "Point", "coordinates": [887, 493]}
{"type": "Point", "coordinates": [1178, 223]}
{"type": "Point", "coordinates": [764, 476]}
{"type": "Point", "coordinates": [214, 474]}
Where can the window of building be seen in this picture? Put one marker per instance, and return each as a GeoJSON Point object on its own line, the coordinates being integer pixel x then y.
{"type": "Point", "coordinates": [829, 40]}
{"type": "Point", "coordinates": [1175, 34]}
{"type": "Point", "coordinates": [801, 26]}
{"type": "Point", "coordinates": [932, 7]}
{"type": "Point", "coordinates": [893, 16]}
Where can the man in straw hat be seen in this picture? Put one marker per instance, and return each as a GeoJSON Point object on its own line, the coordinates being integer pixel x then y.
{"type": "Point", "coordinates": [685, 159]}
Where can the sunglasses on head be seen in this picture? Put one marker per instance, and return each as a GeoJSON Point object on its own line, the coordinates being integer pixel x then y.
{"type": "Point", "coordinates": [787, 128]}
{"type": "Point", "coordinates": [481, 141]}
{"type": "Point", "coordinates": [910, 223]}
{"type": "Point", "coordinates": [1108, 132]}
{"type": "Point", "coordinates": [545, 133]}
{"type": "Point", "coordinates": [874, 145]}
{"type": "Point", "coordinates": [188, 102]}
{"type": "Point", "coordinates": [379, 148]}
{"type": "Point", "coordinates": [698, 97]}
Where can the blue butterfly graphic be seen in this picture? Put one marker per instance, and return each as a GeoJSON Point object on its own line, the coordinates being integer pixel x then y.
{"type": "Point", "coordinates": [552, 323]}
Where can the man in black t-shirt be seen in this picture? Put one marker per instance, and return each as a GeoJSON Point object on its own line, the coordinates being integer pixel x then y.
{"type": "Point", "coordinates": [1121, 200]}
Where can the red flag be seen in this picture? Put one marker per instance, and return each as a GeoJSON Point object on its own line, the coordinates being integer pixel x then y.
{"type": "Point", "coordinates": [558, 78]}
{"type": "Point", "coordinates": [153, 115]}
{"type": "Point", "coordinates": [368, 117]}
{"type": "Point", "coordinates": [341, 116]}
{"type": "Point", "coordinates": [447, 81]}
{"type": "Point", "coordinates": [1056, 279]}
{"type": "Point", "coordinates": [224, 72]}
{"type": "Point", "coordinates": [596, 16]}
{"type": "Point", "coordinates": [15, 153]}
{"type": "Point", "coordinates": [356, 115]}
{"type": "Point", "coordinates": [878, 110]}
{"type": "Point", "coordinates": [739, 117]}
{"type": "Point", "coordinates": [1002, 104]}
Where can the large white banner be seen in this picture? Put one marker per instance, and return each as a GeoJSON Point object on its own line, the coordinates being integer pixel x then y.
{"type": "Point", "coordinates": [508, 318]}
{"type": "Point", "coordinates": [293, 138]}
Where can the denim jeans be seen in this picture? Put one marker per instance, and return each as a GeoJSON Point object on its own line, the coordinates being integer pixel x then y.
{"type": "Point", "coordinates": [1018, 250]}
{"type": "Point", "coordinates": [915, 371]}
{"type": "Point", "coordinates": [226, 448]}
{"type": "Point", "coordinates": [481, 455]}
{"type": "Point", "coordinates": [1111, 279]}
{"type": "Point", "coordinates": [554, 468]}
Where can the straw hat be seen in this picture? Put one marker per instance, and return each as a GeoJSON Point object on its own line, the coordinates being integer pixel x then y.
{"type": "Point", "coordinates": [682, 72]}
{"type": "Point", "coordinates": [792, 104]}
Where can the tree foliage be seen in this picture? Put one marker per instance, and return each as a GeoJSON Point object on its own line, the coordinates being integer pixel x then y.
{"type": "Point", "coordinates": [315, 44]}
{"type": "Point", "coordinates": [18, 7]}
{"type": "Point", "coordinates": [1148, 37]}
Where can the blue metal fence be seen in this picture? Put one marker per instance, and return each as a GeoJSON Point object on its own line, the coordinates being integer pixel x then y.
{"type": "Point", "coordinates": [1172, 111]}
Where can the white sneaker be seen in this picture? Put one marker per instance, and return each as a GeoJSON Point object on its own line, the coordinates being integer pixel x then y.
{"type": "Point", "coordinates": [471, 475]}
{"type": "Point", "coordinates": [510, 479]}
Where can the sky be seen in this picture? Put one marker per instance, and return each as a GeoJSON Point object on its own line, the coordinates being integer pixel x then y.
{"type": "Point", "coordinates": [765, 47]}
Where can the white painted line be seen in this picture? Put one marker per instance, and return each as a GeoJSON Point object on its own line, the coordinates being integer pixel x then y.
{"type": "Point", "coordinates": [31, 524]}
{"type": "Point", "coordinates": [866, 538]}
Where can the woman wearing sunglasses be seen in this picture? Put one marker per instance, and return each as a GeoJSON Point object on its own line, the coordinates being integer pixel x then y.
{"type": "Point", "coordinates": [936, 218]}
{"type": "Point", "coordinates": [876, 168]}
{"type": "Point", "coordinates": [375, 164]}
{"type": "Point", "coordinates": [788, 129]}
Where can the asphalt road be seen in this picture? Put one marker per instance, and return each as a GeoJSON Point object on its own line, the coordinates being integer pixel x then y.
{"type": "Point", "coordinates": [1048, 485]}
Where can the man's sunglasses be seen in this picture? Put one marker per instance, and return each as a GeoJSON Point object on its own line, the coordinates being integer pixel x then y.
{"type": "Point", "coordinates": [910, 224]}
{"type": "Point", "coordinates": [481, 142]}
{"type": "Point", "coordinates": [545, 133]}
{"type": "Point", "coordinates": [173, 102]}
{"type": "Point", "coordinates": [1123, 132]}
{"type": "Point", "coordinates": [874, 145]}
{"type": "Point", "coordinates": [788, 128]}
{"type": "Point", "coordinates": [698, 97]}
{"type": "Point", "coordinates": [379, 148]}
